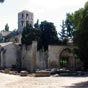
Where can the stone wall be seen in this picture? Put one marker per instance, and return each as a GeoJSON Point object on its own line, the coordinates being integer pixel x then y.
{"type": "Point", "coordinates": [8, 56]}
{"type": "Point", "coordinates": [54, 56]}
{"type": "Point", "coordinates": [42, 60]}
{"type": "Point", "coordinates": [29, 56]}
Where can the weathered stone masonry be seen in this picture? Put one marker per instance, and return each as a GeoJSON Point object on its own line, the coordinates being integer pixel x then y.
{"type": "Point", "coordinates": [27, 57]}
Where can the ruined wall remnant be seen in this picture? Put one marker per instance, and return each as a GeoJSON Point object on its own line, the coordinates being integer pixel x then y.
{"type": "Point", "coordinates": [54, 56]}
{"type": "Point", "coordinates": [29, 56]}
{"type": "Point", "coordinates": [8, 56]}
{"type": "Point", "coordinates": [42, 60]}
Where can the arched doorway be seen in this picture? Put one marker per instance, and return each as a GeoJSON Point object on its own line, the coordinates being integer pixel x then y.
{"type": "Point", "coordinates": [64, 61]}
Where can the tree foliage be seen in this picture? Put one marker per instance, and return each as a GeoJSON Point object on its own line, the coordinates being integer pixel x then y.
{"type": "Point", "coordinates": [76, 26]}
{"type": "Point", "coordinates": [81, 39]}
{"type": "Point", "coordinates": [6, 27]}
{"type": "Point", "coordinates": [48, 35]}
{"type": "Point", "coordinates": [45, 33]}
{"type": "Point", "coordinates": [69, 26]}
{"type": "Point", "coordinates": [80, 20]}
{"type": "Point", "coordinates": [63, 34]}
{"type": "Point", "coordinates": [67, 30]}
{"type": "Point", "coordinates": [28, 35]}
{"type": "Point", "coordinates": [36, 25]}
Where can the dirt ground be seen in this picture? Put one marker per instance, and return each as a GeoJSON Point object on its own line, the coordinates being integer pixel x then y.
{"type": "Point", "coordinates": [12, 81]}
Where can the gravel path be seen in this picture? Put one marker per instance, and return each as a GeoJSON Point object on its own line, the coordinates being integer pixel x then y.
{"type": "Point", "coordinates": [12, 81]}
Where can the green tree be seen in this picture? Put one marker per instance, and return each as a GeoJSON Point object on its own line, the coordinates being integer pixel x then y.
{"type": "Point", "coordinates": [36, 25]}
{"type": "Point", "coordinates": [67, 30]}
{"type": "Point", "coordinates": [45, 33]}
{"type": "Point", "coordinates": [81, 39]}
{"type": "Point", "coordinates": [77, 18]}
{"type": "Point", "coordinates": [63, 31]}
{"type": "Point", "coordinates": [69, 26]}
{"type": "Point", "coordinates": [6, 27]}
{"type": "Point", "coordinates": [63, 34]}
{"type": "Point", "coordinates": [28, 35]}
{"type": "Point", "coordinates": [81, 34]}
{"type": "Point", "coordinates": [48, 35]}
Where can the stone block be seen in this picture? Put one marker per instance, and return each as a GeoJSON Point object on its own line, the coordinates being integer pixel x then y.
{"type": "Point", "coordinates": [23, 73]}
{"type": "Point", "coordinates": [42, 74]}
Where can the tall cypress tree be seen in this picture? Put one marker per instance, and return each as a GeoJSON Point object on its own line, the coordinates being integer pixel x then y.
{"type": "Point", "coordinates": [28, 35]}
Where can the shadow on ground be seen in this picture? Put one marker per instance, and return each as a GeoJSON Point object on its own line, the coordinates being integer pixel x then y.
{"type": "Point", "coordinates": [79, 85]}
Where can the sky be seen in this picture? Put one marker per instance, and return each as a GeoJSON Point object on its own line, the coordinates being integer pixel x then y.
{"type": "Point", "coordinates": [50, 10]}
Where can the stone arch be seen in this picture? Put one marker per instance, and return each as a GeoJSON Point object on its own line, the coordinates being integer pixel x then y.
{"type": "Point", "coordinates": [54, 55]}
{"type": "Point", "coordinates": [64, 57]}
{"type": "Point", "coordinates": [65, 49]}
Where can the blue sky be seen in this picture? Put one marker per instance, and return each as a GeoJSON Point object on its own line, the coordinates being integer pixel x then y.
{"type": "Point", "coordinates": [50, 10]}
